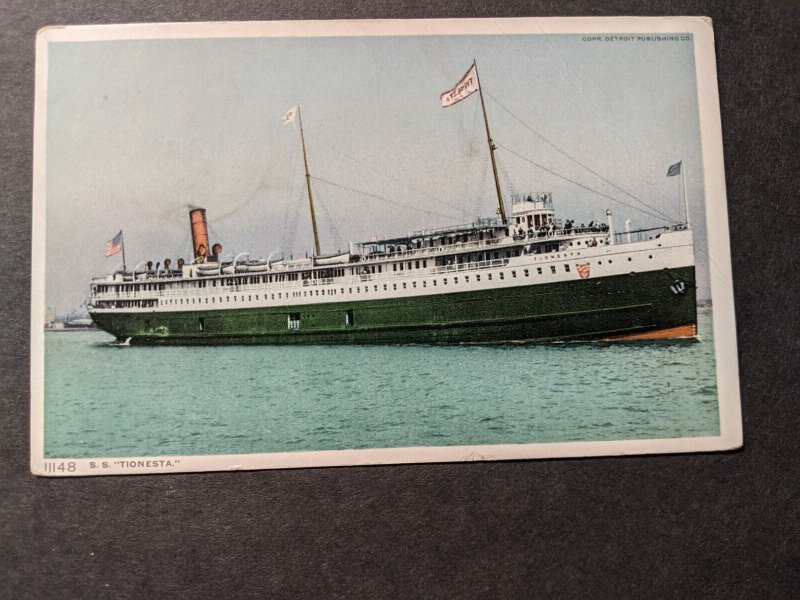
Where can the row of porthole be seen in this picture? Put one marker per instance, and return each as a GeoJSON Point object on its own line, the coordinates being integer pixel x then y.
{"type": "Point", "coordinates": [385, 286]}
{"type": "Point", "coordinates": [333, 291]}
{"type": "Point", "coordinates": [305, 293]}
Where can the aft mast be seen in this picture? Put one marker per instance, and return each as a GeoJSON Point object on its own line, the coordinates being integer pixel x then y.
{"type": "Point", "coordinates": [492, 148]}
{"type": "Point", "coordinates": [290, 118]}
{"type": "Point", "coordinates": [468, 85]}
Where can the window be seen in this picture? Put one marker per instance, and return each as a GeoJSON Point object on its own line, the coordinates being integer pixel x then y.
{"type": "Point", "coordinates": [489, 276]}
{"type": "Point", "coordinates": [294, 320]}
{"type": "Point", "coordinates": [201, 324]}
{"type": "Point", "coordinates": [478, 277]}
{"type": "Point", "coordinates": [502, 275]}
{"type": "Point", "coordinates": [526, 272]}
{"type": "Point", "coordinates": [566, 268]}
{"type": "Point", "coordinates": [349, 321]}
{"type": "Point", "coordinates": [553, 269]}
{"type": "Point", "coordinates": [404, 285]}
{"type": "Point", "coordinates": [455, 279]}
{"type": "Point", "coordinates": [513, 273]}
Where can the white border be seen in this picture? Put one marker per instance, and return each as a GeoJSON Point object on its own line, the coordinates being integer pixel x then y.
{"type": "Point", "coordinates": [716, 217]}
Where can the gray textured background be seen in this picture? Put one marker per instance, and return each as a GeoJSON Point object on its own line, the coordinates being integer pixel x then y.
{"type": "Point", "coordinates": [716, 525]}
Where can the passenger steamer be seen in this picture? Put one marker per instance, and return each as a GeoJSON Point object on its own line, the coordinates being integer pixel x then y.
{"type": "Point", "coordinates": [530, 278]}
{"type": "Point", "coordinates": [533, 280]}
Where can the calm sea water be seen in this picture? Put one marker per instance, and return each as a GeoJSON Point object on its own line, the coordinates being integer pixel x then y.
{"type": "Point", "coordinates": [107, 400]}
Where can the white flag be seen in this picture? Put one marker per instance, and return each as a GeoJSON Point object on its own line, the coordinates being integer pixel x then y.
{"type": "Point", "coordinates": [467, 86]}
{"type": "Point", "coordinates": [290, 115]}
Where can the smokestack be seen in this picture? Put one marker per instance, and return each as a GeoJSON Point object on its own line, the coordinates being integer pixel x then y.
{"type": "Point", "coordinates": [197, 217]}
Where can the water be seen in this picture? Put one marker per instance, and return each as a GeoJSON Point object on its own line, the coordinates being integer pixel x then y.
{"type": "Point", "coordinates": [108, 400]}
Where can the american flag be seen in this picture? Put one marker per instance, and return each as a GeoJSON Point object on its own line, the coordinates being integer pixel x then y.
{"type": "Point", "coordinates": [674, 169]}
{"type": "Point", "coordinates": [114, 245]}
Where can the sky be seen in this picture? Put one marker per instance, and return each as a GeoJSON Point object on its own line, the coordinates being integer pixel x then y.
{"type": "Point", "coordinates": [140, 131]}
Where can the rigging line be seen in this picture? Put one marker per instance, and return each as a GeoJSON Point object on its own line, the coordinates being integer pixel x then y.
{"type": "Point", "coordinates": [507, 179]}
{"type": "Point", "coordinates": [471, 155]}
{"type": "Point", "coordinates": [344, 187]}
{"type": "Point", "coordinates": [290, 183]}
{"type": "Point", "coordinates": [575, 160]}
{"type": "Point", "coordinates": [331, 224]}
{"type": "Point", "coordinates": [577, 83]}
{"type": "Point", "coordinates": [383, 174]}
{"type": "Point", "coordinates": [291, 231]}
{"type": "Point", "coordinates": [581, 185]}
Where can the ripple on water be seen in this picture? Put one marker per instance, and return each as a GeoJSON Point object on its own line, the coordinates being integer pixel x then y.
{"type": "Point", "coordinates": [124, 400]}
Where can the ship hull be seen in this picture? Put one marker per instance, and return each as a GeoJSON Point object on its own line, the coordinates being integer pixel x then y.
{"type": "Point", "coordinates": [633, 306]}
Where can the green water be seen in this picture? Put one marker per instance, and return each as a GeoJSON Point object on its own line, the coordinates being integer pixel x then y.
{"type": "Point", "coordinates": [107, 400]}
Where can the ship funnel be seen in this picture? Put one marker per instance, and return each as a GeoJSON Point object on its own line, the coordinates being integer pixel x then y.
{"type": "Point", "coordinates": [197, 217]}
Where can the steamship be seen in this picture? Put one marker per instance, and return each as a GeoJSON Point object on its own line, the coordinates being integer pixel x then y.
{"type": "Point", "coordinates": [535, 279]}
{"type": "Point", "coordinates": [528, 278]}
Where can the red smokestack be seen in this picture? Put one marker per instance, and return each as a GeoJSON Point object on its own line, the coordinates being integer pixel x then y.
{"type": "Point", "coordinates": [197, 217]}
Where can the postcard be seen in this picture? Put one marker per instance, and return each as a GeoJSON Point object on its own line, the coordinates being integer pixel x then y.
{"type": "Point", "coordinates": [268, 245]}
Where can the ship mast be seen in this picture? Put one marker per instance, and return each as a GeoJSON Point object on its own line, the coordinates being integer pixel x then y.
{"type": "Point", "coordinates": [685, 200]}
{"type": "Point", "coordinates": [492, 148]}
{"type": "Point", "coordinates": [308, 184]}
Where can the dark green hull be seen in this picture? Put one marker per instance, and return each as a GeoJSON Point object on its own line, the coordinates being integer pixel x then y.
{"type": "Point", "coordinates": [597, 308]}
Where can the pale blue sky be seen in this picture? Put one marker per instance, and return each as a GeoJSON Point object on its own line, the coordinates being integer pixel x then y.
{"type": "Point", "coordinates": [137, 131]}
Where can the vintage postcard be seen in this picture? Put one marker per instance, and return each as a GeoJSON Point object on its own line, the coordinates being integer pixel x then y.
{"type": "Point", "coordinates": [291, 244]}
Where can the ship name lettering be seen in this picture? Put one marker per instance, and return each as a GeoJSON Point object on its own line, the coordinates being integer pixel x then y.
{"type": "Point", "coordinates": [149, 463]}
